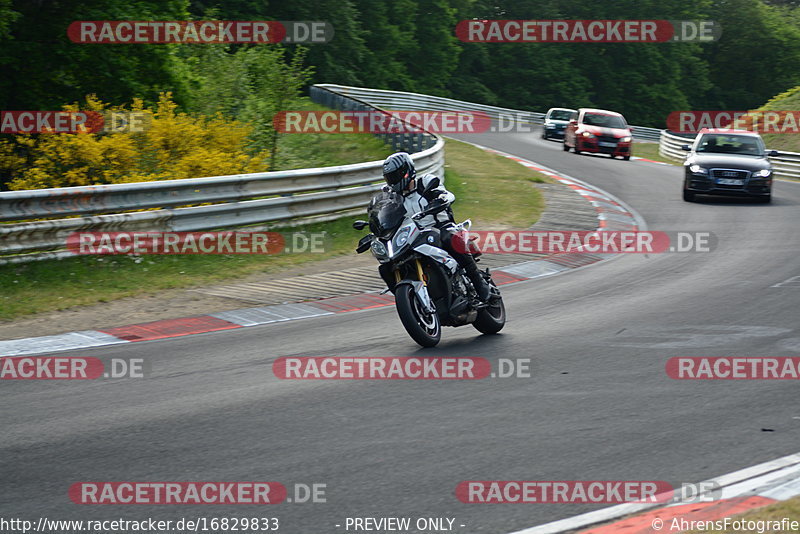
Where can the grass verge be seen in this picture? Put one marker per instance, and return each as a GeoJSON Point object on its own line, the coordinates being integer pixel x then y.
{"type": "Point", "coordinates": [650, 151]}
{"type": "Point", "coordinates": [492, 190]}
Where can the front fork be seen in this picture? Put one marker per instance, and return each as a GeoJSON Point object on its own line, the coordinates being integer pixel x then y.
{"type": "Point", "coordinates": [419, 286]}
{"type": "Point", "coordinates": [420, 274]}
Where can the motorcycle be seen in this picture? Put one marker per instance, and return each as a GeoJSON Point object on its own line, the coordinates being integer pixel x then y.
{"type": "Point", "coordinates": [431, 289]}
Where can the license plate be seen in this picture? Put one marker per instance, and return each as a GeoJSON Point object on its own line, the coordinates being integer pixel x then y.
{"type": "Point", "coordinates": [730, 181]}
{"type": "Point", "coordinates": [606, 144]}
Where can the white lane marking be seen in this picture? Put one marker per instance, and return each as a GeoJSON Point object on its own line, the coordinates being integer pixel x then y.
{"type": "Point", "coordinates": [745, 481]}
{"type": "Point", "coordinates": [794, 281]}
{"type": "Point", "coordinates": [57, 343]}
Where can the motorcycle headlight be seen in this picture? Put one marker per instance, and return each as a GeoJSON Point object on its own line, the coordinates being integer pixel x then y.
{"type": "Point", "coordinates": [587, 135]}
{"type": "Point", "coordinates": [763, 173]}
{"type": "Point", "coordinates": [379, 249]}
{"type": "Point", "coordinates": [697, 169]}
{"type": "Point", "coordinates": [626, 139]}
{"type": "Point", "coordinates": [402, 236]}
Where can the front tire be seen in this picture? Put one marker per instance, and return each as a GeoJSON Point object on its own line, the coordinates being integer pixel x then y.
{"type": "Point", "coordinates": [565, 147]}
{"type": "Point", "coordinates": [423, 328]}
{"type": "Point", "coordinates": [688, 196]}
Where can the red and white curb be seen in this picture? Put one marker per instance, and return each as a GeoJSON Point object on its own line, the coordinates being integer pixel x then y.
{"type": "Point", "coordinates": [734, 493]}
{"type": "Point", "coordinates": [612, 214]}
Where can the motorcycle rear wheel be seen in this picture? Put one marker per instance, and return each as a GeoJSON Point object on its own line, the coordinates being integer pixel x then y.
{"type": "Point", "coordinates": [424, 328]}
{"type": "Point", "coordinates": [492, 318]}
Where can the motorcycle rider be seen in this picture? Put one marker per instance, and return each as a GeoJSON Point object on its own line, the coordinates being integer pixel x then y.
{"type": "Point", "coordinates": [401, 177]}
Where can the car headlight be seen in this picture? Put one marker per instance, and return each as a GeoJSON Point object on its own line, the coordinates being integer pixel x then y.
{"type": "Point", "coordinates": [549, 125]}
{"type": "Point", "coordinates": [626, 139]}
{"type": "Point", "coordinates": [588, 135]}
{"type": "Point", "coordinates": [697, 169]}
{"type": "Point", "coordinates": [763, 173]}
{"type": "Point", "coordinates": [402, 236]}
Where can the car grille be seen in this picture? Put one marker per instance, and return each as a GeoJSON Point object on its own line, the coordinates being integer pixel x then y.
{"type": "Point", "coordinates": [730, 173]}
{"type": "Point", "coordinates": [607, 139]}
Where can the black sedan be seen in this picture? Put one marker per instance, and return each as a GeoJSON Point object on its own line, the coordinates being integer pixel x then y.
{"type": "Point", "coordinates": [728, 162]}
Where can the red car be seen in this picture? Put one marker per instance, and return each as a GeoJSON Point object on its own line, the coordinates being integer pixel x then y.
{"type": "Point", "coordinates": [598, 131]}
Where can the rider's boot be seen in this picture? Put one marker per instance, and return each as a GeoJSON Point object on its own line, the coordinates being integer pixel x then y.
{"type": "Point", "coordinates": [481, 286]}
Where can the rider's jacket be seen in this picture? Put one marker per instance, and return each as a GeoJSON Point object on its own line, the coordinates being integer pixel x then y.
{"type": "Point", "coordinates": [414, 202]}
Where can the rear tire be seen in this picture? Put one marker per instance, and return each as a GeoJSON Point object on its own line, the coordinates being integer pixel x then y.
{"type": "Point", "coordinates": [767, 199]}
{"type": "Point", "coordinates": [688, 196]}
{"type": "Point", "coordinates": [423, 328]}
{"type": "Point", "coordinates": [492, 318]}
{"type": "Point", "coordinates": [626, 158]}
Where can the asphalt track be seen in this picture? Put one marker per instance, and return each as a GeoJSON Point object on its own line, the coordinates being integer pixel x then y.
{"type": "Point", "coordinates": [598, 404]}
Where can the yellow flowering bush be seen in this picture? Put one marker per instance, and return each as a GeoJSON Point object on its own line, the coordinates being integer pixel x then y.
{"type": "Point", "coordinates": [172, 145]}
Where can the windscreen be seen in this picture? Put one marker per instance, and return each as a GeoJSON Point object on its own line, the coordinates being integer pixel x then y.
{"type": "Point", "coordinates": [386, 212]}
{"type": "Point", "coordinates": [560, 115]}
{"type": "Point", "coordinates": [604, 121]}
{"type": "Point", "coordinates": [745, 145]}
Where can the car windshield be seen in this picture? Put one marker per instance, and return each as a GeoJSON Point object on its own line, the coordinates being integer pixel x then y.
{"type": "Point", "coordinates": [604, 121]}
{"type": "Point", "coordinates": [746, 145]}
{"type": "Point", "coordinates": [560, 115]}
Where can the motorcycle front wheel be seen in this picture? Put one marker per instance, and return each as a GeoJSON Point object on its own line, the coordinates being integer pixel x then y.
{"type": "Point", "coordinates": [423, 327]}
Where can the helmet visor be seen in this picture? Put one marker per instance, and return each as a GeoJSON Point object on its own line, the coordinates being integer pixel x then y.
{"type": "Point", "coordinates": [394, 177]}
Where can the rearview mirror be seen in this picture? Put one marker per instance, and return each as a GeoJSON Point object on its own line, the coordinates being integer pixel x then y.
{"type": "Point", "coordinates": [773, 153]}
{"type": "Point", "coordinates": [359, 225]}
{"type": "Point", "coordinates": [687, 148]}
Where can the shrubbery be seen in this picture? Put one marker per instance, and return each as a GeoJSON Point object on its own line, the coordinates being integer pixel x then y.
{"type": "Point", "coordinates": [173, 145]}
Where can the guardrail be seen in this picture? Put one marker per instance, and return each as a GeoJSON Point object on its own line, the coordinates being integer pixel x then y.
{"type": "Point", "coordinates": [401, 100]}
{"type": "Point", "coordinates": [237, 201]}
{"type": "Point", "coordinates": [784, 165]}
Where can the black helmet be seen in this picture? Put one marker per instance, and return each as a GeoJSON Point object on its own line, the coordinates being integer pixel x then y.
{"type": "Point", "coordinates": [398, 171]}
